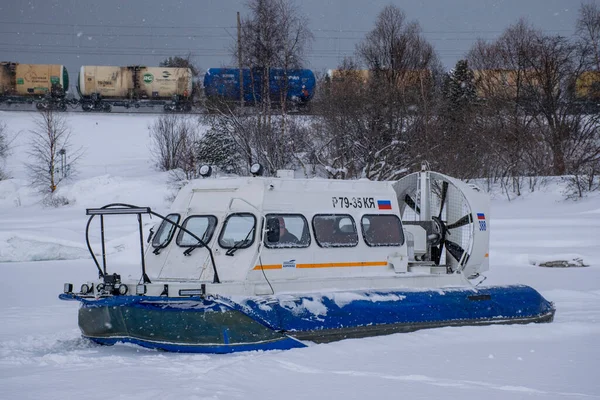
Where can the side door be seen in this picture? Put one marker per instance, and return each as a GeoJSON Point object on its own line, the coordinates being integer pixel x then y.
{"type": "Point", "coordinates": [188, 258]}
{"type": "Point", "coordinates": [236, 246]}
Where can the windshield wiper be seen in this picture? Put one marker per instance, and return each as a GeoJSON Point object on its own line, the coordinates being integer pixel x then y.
{"type": "Point", "coordinates": [192, 248]}
{"type": "Point", "coordinates": [239, 244]}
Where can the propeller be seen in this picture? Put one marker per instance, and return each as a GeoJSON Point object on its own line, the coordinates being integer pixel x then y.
{"type": "Point", "coordinates": [411, 203]}
{"type": "Point", "coordinates": [454, 249]}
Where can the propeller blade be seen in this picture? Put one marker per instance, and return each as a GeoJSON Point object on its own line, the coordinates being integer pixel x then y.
{"type": "Point", "coordinates": [467, 219]}
{"type": "Point", "coordinates": [411, 203]}
{"type": "Point", "coordinates": [439, 253]}
{"type": "Point", "coordinates": [436, 254]}
{"type": "Point", "coordinates": [455, 250]}
{"type": "Point", "coordinates": [444, 192]}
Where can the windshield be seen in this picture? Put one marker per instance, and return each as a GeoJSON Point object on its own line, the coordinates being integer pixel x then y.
{"type": "Point", "coordinates": [238, 231]}
{"type": "Point", "coordinates": [165, 231]}
{"type": "Point", "coordinates": [202, 226]}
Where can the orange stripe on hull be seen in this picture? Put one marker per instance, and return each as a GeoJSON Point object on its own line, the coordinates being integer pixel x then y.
{"type": "Point", "coordinates": [328, 265]}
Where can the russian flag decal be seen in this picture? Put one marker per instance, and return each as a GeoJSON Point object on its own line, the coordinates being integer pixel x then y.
{"type": "Point", "coordinates": [384, 204]}
{"type": "Point", "coordinates": [480, 216]}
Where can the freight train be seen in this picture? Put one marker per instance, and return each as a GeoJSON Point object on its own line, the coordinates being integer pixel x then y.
{"type": "Point", "coordinates": [497, 82]}
{"type": "Point", "coordinates": [99, 88]}
{"type": "Point", "coordinates": [510, 84]}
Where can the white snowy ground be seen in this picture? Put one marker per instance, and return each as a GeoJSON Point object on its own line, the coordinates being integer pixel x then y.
{"type": "Point", "coordinates": [43, 357]}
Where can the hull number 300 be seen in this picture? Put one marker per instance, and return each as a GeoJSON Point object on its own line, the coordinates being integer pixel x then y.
{"type": "Point", "coordinates": [353, 202]}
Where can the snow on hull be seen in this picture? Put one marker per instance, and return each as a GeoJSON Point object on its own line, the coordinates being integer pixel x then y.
{"type": "Point", "coordinates": [218, 324]}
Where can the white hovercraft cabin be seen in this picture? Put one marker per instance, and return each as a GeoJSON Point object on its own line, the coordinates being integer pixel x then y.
{"type": "Point", "coordinates": [346, 234]}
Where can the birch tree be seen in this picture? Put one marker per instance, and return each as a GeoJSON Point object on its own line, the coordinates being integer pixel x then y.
{"type": "Point", "coordinates": [4, 148]}
{"type": "Point", "coordinates": [52, 159]}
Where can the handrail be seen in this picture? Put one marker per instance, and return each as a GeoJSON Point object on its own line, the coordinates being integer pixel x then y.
{"type": "Point", "coordinates": [131, 209]}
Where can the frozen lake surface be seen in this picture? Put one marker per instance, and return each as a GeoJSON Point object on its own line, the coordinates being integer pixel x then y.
{"type": "Point", "coordinates": [42, 355]}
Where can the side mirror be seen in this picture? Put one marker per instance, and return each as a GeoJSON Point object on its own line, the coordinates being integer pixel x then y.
{"type": "Point", "coordinates": [273, 230]}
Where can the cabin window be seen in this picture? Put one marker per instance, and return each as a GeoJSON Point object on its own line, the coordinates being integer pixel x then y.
{"type": "Point", "coordinates": [238, 231]}
{"type": "Point", "coordinates": [165, 231]}
{"type": "Point", "coordinates": [382, 230]}
{"type": "Point", "coordinates": [202, 226]}
{"type": "Point", "coordinates": [291, 231]}
{"type": "Point", "coordinates": [335, 230]}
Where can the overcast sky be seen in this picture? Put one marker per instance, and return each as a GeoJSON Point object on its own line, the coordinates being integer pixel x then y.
{"type": "Point", "coordinates": [119, 32]}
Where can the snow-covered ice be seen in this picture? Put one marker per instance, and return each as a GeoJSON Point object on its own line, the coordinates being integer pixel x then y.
{"type": "Point", "coordinates": [43, 357]}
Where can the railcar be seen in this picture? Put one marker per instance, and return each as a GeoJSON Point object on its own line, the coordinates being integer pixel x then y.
{"type": "Point", "coordinates": [296, 86]}
{"type": "Point", "coordinates": [46, 85]}
{"type": "Point", "coordinates": [102, 87]}
{"type": "Point", "coordinates": [587, 91]}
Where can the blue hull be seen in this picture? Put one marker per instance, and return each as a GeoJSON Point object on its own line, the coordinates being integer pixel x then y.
{"type": "Point", "coordinates": [219, 324]}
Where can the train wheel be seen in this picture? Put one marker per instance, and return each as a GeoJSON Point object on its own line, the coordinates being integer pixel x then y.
{"type": "Point", "coordinates": [41, 105]}
{"type": "Point", "coordinates": [87, 106]}
{"type": "Point", "coordinates": [107, 108]}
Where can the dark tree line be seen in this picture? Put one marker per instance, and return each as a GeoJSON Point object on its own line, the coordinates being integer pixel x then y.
{"type": "Point", "coordinates": [510, 109]}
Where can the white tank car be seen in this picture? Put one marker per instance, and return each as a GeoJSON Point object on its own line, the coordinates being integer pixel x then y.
{"type": "Point", "coordinates": [134, 82]}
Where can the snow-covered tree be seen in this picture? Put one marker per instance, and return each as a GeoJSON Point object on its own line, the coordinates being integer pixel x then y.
{"type": "Point", "coordinates": [217, 149]}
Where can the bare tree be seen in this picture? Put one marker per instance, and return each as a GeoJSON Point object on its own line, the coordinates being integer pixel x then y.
{"type": "Point", "coordinates": [525, 80]}
{"type": "Point", "coordinates": [4, 148]}
{"type": "Point", "coordinates": [173, 145]}
{"type": "Point", "coordinates": [400, 112]}
{"type": "Point", "coordinates": [51, 159]}
{"type": "Point", "coordinates": [273, 35]}
{"type": "Point", "coordinates": [588, 28]}
{"type": "Point", "coordinates": [336, 134]}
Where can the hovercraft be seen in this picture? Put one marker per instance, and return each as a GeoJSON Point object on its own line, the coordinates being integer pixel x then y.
{"type": "Point", "coordinates": [262, 263]}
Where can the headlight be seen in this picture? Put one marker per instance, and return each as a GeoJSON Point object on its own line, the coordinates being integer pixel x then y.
{"type": "Point", "coordinates": [68, 288]}
{"type": "Point", "coordinates": [85, 289]}
{"type": "Point", "coordinates": [122, 290]}
{"type": "Point", "coordinates": [256, 169]}
{"type": "Point", "coordinates": [205, 171]}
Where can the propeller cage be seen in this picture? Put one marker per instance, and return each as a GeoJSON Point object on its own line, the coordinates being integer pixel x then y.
{"type": "Point", "coordinates": [443, 207]}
